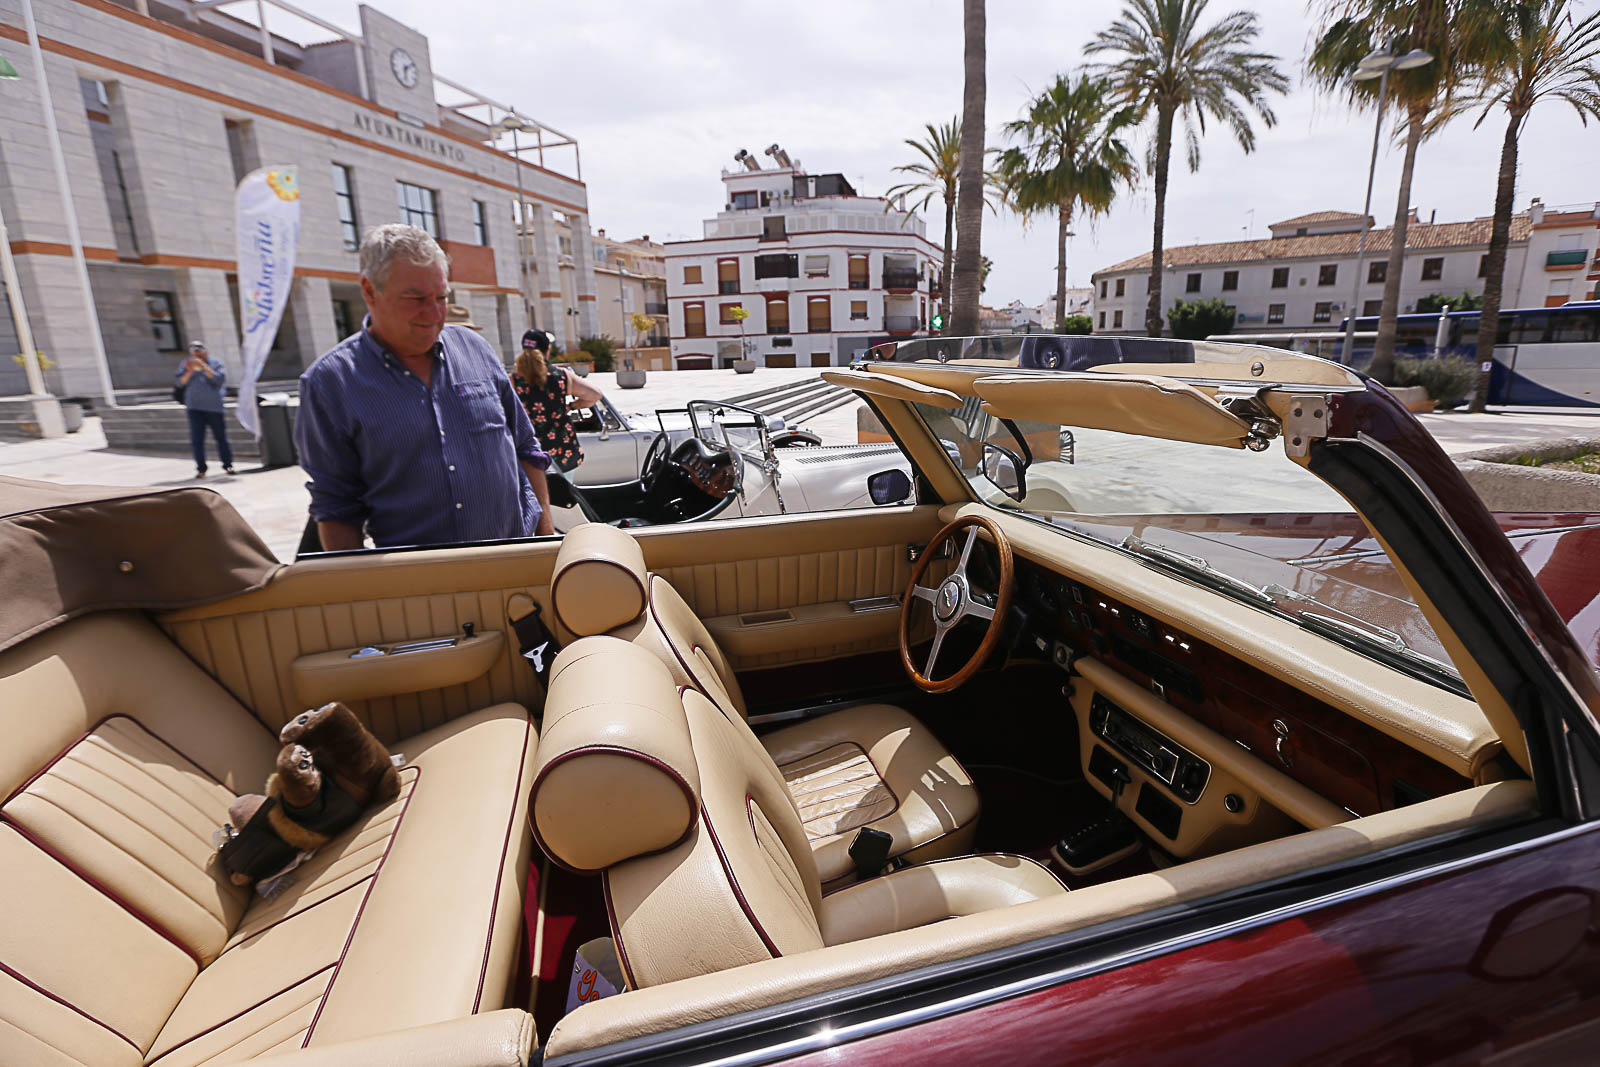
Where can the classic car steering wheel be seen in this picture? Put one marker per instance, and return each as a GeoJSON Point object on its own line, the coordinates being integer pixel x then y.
{"type": "Point", "coordinates": [952, 600]}
{"type": "Point", "coordinates": [654, 456]}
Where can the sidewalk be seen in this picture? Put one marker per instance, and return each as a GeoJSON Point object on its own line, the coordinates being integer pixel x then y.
{"type": "Point", "coordinates": [275, 502]}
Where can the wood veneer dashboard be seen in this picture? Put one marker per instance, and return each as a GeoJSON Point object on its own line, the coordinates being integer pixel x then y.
{"type": "Point", "coordinates": [1340, 758]}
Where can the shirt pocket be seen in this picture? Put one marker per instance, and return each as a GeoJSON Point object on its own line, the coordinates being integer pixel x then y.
{"type": "Point", "coordinates": [481, 409]}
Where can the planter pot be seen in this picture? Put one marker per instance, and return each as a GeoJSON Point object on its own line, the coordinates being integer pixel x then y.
{"type": "Point", "coordinates": [630, 379]}
{"type": "Point", "coordinates": [744, 366]}
{"type": "Point", "coordinates": [72, 416]}
{"type": "Point", "coordinates": [580, 368]}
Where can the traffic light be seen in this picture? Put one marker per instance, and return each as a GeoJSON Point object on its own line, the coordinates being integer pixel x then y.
{"type": "Point", "coordinates": [938, 320]}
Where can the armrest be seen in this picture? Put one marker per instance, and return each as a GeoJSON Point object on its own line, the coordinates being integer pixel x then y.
{"type": "Point", "coordinates": [335, 675]}
{"type": "Point", "coordinates": [503, 1038]}
{"type": "Point", "coordinates": [928, 892]}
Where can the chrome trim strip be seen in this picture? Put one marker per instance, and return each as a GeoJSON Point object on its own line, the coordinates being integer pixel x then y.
{"type": "Point", "coordinates": [829, 1037]}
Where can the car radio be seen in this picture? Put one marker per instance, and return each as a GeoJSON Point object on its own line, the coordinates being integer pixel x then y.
{"type": "Point", "coordinates": [1168, 762]}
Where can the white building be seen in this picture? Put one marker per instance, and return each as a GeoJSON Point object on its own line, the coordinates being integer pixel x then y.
{"type": "Point", "coordinates": [822, 272]}
{"type": "Point", "coordinates": [1300, 279]}
{"type": "Point", "coordinates": [159, 116]}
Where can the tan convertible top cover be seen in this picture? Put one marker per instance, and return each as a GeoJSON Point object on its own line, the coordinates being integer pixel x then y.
{"type": "Point", "coordinates": [67, 550]}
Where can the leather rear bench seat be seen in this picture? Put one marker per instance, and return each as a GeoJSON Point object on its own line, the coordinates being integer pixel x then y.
{"type": "Point", "coordinates": [123, 943]}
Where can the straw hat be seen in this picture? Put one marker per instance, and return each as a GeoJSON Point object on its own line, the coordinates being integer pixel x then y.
{"type": "Point", "coordinates": [457, 315]}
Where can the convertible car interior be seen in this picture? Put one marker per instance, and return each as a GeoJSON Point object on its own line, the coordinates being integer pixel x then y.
{"type": "Point", "coordinates": [758, 762]}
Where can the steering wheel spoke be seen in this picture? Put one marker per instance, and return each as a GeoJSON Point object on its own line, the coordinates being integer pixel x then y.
{"type": "Point", "coordinates": [922, 592]}
{"type": "Point", "coordinates": [933, 652]}
{"type": "Point", "coordinates": [977, 609]}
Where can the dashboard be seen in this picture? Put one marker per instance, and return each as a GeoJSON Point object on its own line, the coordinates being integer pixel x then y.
{"type": "Point", "coordinates": [1200, 728]}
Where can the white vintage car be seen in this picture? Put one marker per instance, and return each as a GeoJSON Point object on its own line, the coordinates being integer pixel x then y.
{"type": "Point", "coordinates": [719, 460]}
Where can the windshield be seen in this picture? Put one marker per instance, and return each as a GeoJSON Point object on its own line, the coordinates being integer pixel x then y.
{"type": "Point", "coordinates": [723, 425]}
{"type": "Point", "coordinates": [1258, 520]}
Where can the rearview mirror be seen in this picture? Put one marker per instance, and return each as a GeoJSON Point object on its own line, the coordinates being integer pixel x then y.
{"type": "Point", "coordinates": [889, 487]}
{"type": "Point", "coordinates": [1005, 469]}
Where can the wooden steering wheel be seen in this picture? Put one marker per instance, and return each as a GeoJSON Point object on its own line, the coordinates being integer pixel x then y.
{"type": "Point", "coordinates": [953, 600]}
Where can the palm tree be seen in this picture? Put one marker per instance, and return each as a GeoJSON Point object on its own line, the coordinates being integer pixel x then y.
{"type": "Point", "coordinates": [1541, 49]}
{"type": "Point", "coordinates": [1170, 66]}
{"type": "Point", "coordinates": [1071, 157]}
{"type": "Point", "coordinates": [1354, 29]}
{"type": "Point", "coordinates": [935, 176]}
{"type": "Point", "coordinates": [970, 184]}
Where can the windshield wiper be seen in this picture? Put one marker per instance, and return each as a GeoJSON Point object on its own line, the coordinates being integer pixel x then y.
{"type": "Point", "coordinates": [1369, 638]}
{"type": "Point", "coordinates": [1199, 571]}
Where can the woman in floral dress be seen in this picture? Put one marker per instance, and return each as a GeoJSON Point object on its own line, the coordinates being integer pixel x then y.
{"type": "Point", "coordinates": [546, 392]}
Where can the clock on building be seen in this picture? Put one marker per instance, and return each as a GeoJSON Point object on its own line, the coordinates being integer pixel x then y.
{"type": "Point", "coordinates": [404, 67]}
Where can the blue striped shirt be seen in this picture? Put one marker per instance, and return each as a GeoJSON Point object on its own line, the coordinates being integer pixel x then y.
{"type": "Point", "coordinates": [418, 464]}
{"type": "Point", "coordinates": [202, 393]}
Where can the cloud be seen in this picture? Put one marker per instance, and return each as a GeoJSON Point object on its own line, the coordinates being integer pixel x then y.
{"type": "Point", "coordinates": [660, 95]}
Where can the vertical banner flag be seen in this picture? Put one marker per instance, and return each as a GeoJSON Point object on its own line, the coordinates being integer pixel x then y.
{"type": "Point", "coordinates": [267, 211]}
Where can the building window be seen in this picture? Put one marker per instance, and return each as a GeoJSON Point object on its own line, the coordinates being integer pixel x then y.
{"type": "Point", "coordinates": [163, 321]}
{"type": "Point", "coordinates": [1280, 277]}
{"type": "Point", "coordinates": [1274, 314]}
{"type": "Point", "coordinates": [349, 229]}
{"type": "Point", "coordinates": [1328, 274]}
{"type": "Point", "coordinates": [727, 276]}
{"type": "Point", "coordinates": [691, 275]}
{"type": "Point", "coordinates": [744, 201]}
{"type": "Point", "coordinates": [1483, 265]}
{"type": "Point", "coordinates": [1116, 320]}
{"type": "Point", "coordinates": [1230, 280]}
{"type": "Point", "coordinates": [564, 245]}
{"type": "Point", "coordinates": [1102, 314]}
{"type": "Point", "coordinates": [1191, 284]}
{"type": "Point", "coordinates": [480, 223]}
{"type": "Point", "coordinates": [242, 151]}
{"type": "Point", "coordinates": [777, 265]}
{"type": "Point", "coordinates": [344, 323]}
{"type": "Point", "coordinates": [773, 229]}
{"type": "Point", "coordinates": [1433, 268]}
{"type": "Point", "coordinates": [1371, 309]}
{"type": "Point", "coordinates": [1102, 292]}
{"type": "Point", "coordinates": [1121, 286]}
{"type": "Point", "coordinates": [694, 320]}
{"type": "Point", "coordinates": [858, 309]}
{"type": "Point", "coordinates": [858, 273]}
{"type": "Point", "coordinates": [819, 315]}
{"type": "Point", "coordinates": [1323, 312]}
{"type": "Point", "coordinates": [418, 207]}
{"type": "Point", "coordinates": [1377, 271]}
{"type": "Point", "coordinates": [778, 315]}
{"type": "Point", "coordinates": [725, 312]}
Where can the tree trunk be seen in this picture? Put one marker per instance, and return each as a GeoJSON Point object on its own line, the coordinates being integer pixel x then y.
{"type": "Point", "coordinates": [1494, 270]}
{"type": "Point", "coordinates": [1062, 227]}
{"type": "Point", "coordinates": [969, 193]}
{"type": "Point", "coordinates": [949, 253]}
{"type": "Point", "coordinates": [1383, 348]}
{"type": "Point", "coordinates": [1152, 311]}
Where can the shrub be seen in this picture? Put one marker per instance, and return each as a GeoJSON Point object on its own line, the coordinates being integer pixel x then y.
{"type": "Point", "coordinates": [1195, 320]}
{"type": "Point", "coordinates": [1077, 324]}
{"type": "Point", "coordinates": [1448, 381]}
{"type": "Point", "coordinates": [1435, 302]}
{"type": "Point", "coordinates": [598, 350]}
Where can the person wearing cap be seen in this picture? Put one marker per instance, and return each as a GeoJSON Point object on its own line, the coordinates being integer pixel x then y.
{"type": "Point", "coordinates": [410, 430]}
{"type": "Point", "coordinates": [546, 392]}
{"type": "Point", "coordinates": [201, 378]}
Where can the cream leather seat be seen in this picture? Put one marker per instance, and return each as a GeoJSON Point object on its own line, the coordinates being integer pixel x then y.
{"type": "Point", "coordinates": [123, 942]}
{"type": "Point", "coordinates": [705, 862]}
{"type": "Point", "coordinates": [870, 765]}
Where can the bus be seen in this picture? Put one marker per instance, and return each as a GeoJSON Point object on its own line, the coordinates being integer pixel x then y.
{"type": "Point", "coordinates": [1546, 357]}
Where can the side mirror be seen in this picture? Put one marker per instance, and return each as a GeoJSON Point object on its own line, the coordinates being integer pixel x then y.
{"type": "Point", "coordinates": [1005, 469]}
{"type": "Point", "coordinates": [892, 486]}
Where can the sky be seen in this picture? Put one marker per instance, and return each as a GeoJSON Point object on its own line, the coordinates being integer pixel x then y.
{"type": "Point", "coordinates": [660, 95]}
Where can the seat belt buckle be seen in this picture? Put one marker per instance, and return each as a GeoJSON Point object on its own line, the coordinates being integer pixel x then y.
{"type": "Point", "coordinates": [870, 851]}
{"type": "Point", "coordinates": [535, 641]}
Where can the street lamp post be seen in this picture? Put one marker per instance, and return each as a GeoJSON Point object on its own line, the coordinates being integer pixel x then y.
{"type": "Point", "coordinates": [1374, 65]}
{"type": "Point", "coordinates": [517, 124]}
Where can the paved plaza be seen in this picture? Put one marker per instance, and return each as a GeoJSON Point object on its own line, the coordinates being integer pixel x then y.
{"type": "Point", "coordinates": [275, 501]}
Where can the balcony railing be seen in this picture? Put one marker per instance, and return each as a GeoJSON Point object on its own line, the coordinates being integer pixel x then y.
{"type": "Point", "coordinates": [1575, 257]}
{"type": "Point", "coordinates": [900, 323]}
{"type": "Point", "coordinates": [653, 308]}
{"type": "Point", "coordinates": [860, 283]}
{"type": "Point", "coordinates": [900, 278]}
{"type": "Point", "coordinates": [727, 286]}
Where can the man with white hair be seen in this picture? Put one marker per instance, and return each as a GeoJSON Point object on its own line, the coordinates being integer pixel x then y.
{"type": "Point", "coordinates": [410, 428]}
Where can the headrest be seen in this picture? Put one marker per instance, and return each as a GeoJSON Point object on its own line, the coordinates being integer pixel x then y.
{"type": "Point", "coordinates": [616, 775]}
{"type": "Point", "coordinates": [598, 584]}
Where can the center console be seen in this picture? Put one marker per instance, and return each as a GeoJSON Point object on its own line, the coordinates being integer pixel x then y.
{"type": "Point", "coordinates": [1167, 761]}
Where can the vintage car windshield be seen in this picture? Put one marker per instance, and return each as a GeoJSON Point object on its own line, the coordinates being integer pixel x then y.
{"type": "Point", "coordinates": [722, 425]}
{"type": "Point", "coordinates": [1254, 525]}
